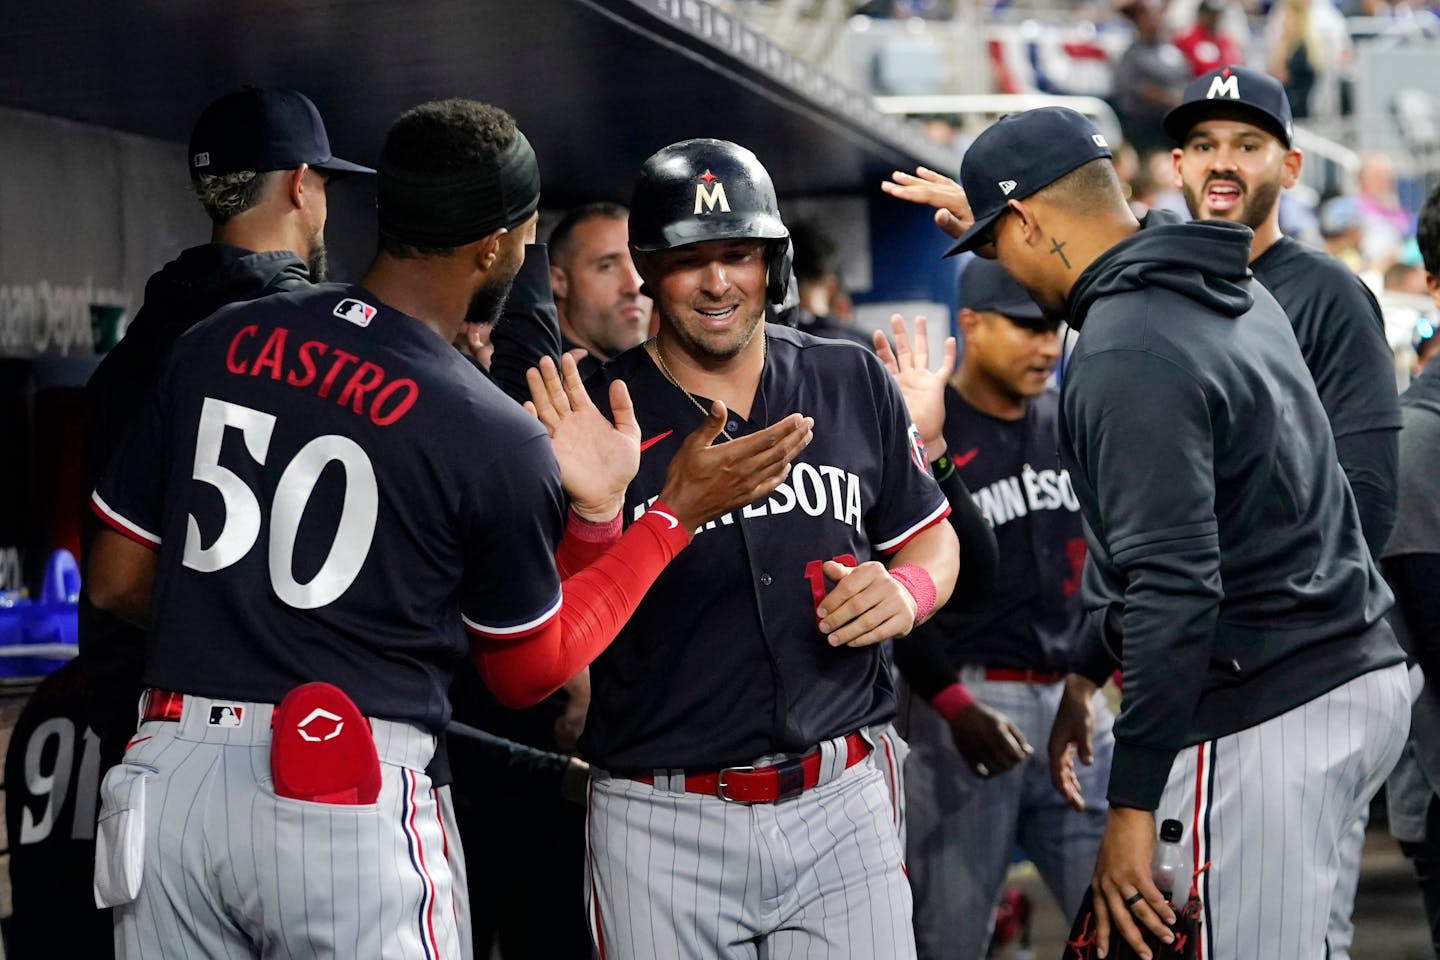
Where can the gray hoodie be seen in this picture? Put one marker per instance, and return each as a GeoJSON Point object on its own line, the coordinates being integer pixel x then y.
{"type": "Point", "coordinates": [1229, 567]}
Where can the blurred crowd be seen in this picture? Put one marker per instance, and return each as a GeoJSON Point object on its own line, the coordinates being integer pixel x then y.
{"type": "Point", "coordinates": [1150, 49]}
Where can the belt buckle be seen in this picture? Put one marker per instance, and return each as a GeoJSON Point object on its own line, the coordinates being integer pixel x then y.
{"type": "Point", "coordinates": [790, 779]}
{"type": "Point", "coordinates": [720, 783]}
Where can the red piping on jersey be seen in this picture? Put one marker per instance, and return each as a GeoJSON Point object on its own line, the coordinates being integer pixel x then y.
{"type": "Point", "coordinates": [891, 551]}
{"type": "Point", "coordinates": [525, 668]}
{"type": "Point", "coordinates": [120, 528]}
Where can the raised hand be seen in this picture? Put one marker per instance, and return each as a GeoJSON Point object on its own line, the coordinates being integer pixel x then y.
{"type": "Point", "coordinates": [931, 189]}
{"type": "Point", "coordinates": [922, 388]}
{"type": "Point", "coordinates": [987, 740]}
{"type": "Point", "coordinates": [597, 458]}
{"type": "Point", "coordinates": [705, 481]}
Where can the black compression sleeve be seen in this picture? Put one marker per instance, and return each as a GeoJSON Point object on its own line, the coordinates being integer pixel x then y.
{"type": "Point", "coordinates": [528, 328]}
{"type": "Point", "coordinates": [921, 659]}
{"type": "Point", "coordinates": [1371, 460]}
{"type": "Point", "coordinates": [979, 556]}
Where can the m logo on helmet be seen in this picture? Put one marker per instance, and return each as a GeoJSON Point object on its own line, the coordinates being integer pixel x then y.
{"type": "Point", "coordinates": [1225, 84]}
{"type": "Point", "coordinates": [710, 194]}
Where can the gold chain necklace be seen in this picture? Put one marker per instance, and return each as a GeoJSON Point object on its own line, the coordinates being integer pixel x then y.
{"type": "Point", "coordinates": [665, 369]}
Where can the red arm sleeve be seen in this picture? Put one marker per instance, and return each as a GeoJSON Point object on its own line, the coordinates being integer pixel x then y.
{"type": "Point", "coordinates": [523, 670]}
{"type": "Point", "coordinates": [583, 543]}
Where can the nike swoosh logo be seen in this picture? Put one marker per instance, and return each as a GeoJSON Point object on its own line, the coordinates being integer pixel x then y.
{"type": "Point", "coordinates": [959, 461]}
{"type": "Point", "coordinates": [647, 444]}
{"type": "Point", "coordinates": [665, 516]}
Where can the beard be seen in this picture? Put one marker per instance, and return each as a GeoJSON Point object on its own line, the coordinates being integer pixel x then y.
{"type": "Point", "coordinates": [488, 302]}
{"type": "Point", "coordinates": [714, 349]}
{"type": "Point", "coordinates": [317, 262]}
{"type": "Point", "coordinates": [1253, 209]}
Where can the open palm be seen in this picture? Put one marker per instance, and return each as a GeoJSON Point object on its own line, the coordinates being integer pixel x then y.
{"type": "Point", "coordinates": [930, 189]}
{"type": "Point", "coordinates": [597, 458]}
{"type": "Point", "coordinates": [922, 388]}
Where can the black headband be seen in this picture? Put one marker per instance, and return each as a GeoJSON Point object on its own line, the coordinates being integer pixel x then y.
{"type": "Point", "coordinates": [456, 208]}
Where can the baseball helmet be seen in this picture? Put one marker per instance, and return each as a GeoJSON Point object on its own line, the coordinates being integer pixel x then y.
{"type": "Point", "coordinates": [699, 190]}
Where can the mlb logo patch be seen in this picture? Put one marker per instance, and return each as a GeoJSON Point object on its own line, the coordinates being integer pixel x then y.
{"type": "Point", "coordinates": [357, 312]}
{"type": "Point", "coordinates": [226, 715]}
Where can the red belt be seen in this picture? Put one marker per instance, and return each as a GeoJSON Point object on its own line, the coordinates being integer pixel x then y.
{"type": "Point", "coordinates": [769, 784]}
{"type": "Point", "coordinates": [161, 705]}
{"type": "Point", "coordinates": [1006, 675]}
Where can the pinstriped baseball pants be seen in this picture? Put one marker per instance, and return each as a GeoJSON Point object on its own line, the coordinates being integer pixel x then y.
{"type": "Point", "coordinates": [677, 875]}
{"type": "Point", "coordinates": [964, 829]}
{"type": "Point", "coordinates": [231, 870]}
{"type": "Point", "coordinates": [1267, 808]}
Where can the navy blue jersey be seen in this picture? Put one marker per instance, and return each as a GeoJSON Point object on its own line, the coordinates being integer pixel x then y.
{"type": "Point", "coordinates": [1341, 333]}
{"type": "Point", "coordinates": [331, 486]}
{"type": "Point", "coordinates": [1012, 469]}
{"type": "Point", "coordinates": [723, 661]}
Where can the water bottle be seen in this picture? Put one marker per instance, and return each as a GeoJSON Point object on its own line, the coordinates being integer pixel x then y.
{"type": "Point", "coordinates": [1170, 867]}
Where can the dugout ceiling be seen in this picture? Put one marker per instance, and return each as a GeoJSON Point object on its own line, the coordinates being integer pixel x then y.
{"type": "Point", "coordinates": [596, 84]}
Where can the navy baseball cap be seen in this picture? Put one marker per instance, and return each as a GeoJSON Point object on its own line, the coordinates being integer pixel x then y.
{"type": "Point", "coordinates": [1019, 155]}
{"type": "Point", "coordinates": [260, 129]}
{"type": "Point", "coordinates": [1233, 93]}
{"type": "Point", "coordinates": [984, 286]}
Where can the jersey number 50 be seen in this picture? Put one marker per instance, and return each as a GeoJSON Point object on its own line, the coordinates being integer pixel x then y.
{"type": "Point", "coordinates": [242, 509]}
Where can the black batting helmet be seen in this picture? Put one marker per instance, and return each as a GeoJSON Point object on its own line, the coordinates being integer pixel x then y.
{"type": "Point", "coordinates": [699, 190]}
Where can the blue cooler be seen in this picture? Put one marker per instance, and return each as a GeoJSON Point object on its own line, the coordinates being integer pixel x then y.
{"type": "Point", "coordinates": [38, 637]}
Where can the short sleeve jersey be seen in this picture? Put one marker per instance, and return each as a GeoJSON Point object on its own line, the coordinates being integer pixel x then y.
{"type": "Point", "coordinates": [1341, 335]}
{"type": "Point", "coordinates": [723, 661]}
{"type": "Point", "coordinates": [1012, 468]}
{"type": "Point", "coordinates": [333, 489]}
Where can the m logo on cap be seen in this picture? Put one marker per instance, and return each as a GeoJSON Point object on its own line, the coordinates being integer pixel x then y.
{"type": "Point", "coordinates": [1225, 84]}
{"type": "Point", "coordinates": [710, 197]}
{"type": "Point", "coordinates": [1006, 186]}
